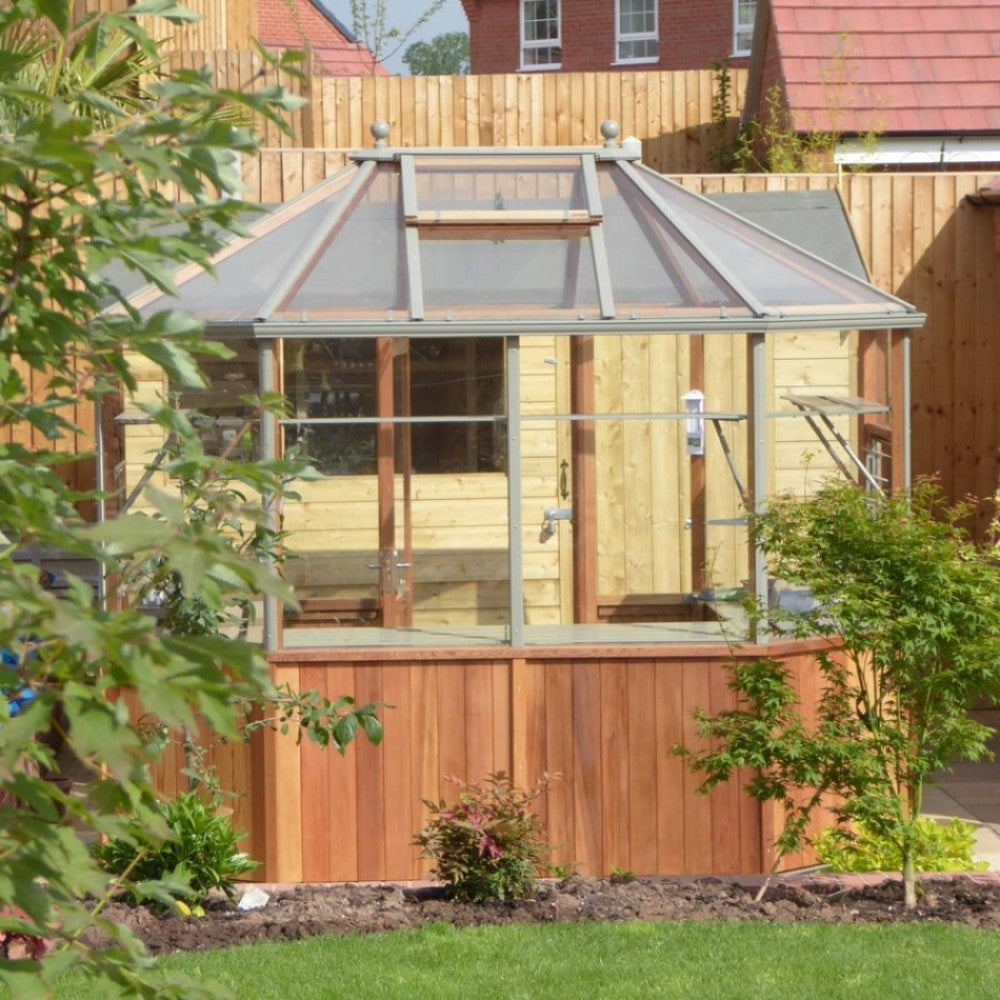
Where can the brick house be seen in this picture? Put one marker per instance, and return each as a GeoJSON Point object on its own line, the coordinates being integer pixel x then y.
{"type": "Point", "coordinates": [507, 36]}
{"type": "Point", "coordinates": [905, 84]}
{"type": "Point", "coordinates": [311, 25]}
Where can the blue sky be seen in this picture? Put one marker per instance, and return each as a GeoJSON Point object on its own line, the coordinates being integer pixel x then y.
{"type": "Point", "coordinates": [402, 14]}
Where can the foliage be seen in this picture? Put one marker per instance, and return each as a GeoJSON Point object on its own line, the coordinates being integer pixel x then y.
{"type": "Point", "coordinates": [323, 721]}
{"type": "Point", "coordinates": [370, 20]}
{"type": "Point", "coordinates": [488, 844]}
{"type": "Point", "coordinates": [770, 144]}
{"type": "Point", "coordinates": [563, 869]}
{"type": "Point", "coordinates": [198, 855]}
{"type": "Point", "coordinates": [443, 55]}
{"type": "Point", "coordinates": [910, 610]}
{"type": "Point", "coordinates": [217, 495]}
{"type": "Point", "coordinates": [721, 153]}
{"type": "Point", "coordinates": [937, 847]}
{"type": "Point", "coordinates": [107, 159]}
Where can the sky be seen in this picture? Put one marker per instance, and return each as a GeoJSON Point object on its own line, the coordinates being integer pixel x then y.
{"type": "Point", "coordinates": [402, 14]}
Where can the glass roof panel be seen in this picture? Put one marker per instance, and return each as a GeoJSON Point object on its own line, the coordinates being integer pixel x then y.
{"type": "Point", "coordinates": [508, 277]}
{"type": "Point", "coordinates": [511, 237]}
{"type": "Point", "coordinates": [360, 272]}
{"type": "Point", "coordinates": [478, 184]}
{"type": "Point", "coordinates": [650, 265]}
{"type": "Point", "coordinates": [245, 280]}
{"type": "Point", "coordinates": [780, 275]}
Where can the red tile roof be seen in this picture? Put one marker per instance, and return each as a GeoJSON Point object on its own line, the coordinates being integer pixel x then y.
{"type": "Point", "coordinates": [311, 24]}
{"type": "Point", "coordinates": [890, 65]}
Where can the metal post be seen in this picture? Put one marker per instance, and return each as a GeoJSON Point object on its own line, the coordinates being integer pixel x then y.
{"type": "Point", "coordinates": [906, 415]}
{"type": "Point", "coordinates": [515, 554]}
{"type": "Point", "coordinates": [268, 452]}
{"type": "Point", "coordinates": [102, 510]}
{"type": "Point", "coordinates": [757, 429]}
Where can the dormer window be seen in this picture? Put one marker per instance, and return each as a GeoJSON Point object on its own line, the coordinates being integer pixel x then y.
{"type": "Point", "coordinates": [540, 34]}
{"type": "Point", "coordinates": [636, 35]}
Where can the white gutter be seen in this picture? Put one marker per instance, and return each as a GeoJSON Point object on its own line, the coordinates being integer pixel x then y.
{"type": "Point", "coordinates": [918, 151]}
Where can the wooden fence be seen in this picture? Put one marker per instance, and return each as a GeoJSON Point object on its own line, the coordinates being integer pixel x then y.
{"type": "Point", "coordinates": [516, 109]}
{"type": "Point", "coordinates": [221, 24]}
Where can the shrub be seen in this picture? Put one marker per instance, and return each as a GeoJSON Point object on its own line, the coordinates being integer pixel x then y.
{"type": "Point", "coordinates": [488, 844]}
{"type": "Point", "coordinates": [938, 847]}
{"type": "Point", "coordinates": [199, 855]}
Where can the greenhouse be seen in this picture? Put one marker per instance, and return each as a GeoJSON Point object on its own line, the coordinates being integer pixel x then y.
{"type": "Point", "coordinates": [542, 389]}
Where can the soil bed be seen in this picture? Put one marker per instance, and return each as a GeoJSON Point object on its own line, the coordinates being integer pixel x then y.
{"type": "Point", "coordinates": [307, 910]}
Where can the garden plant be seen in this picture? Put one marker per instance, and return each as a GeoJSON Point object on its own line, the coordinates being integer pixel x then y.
{"type": "Point", "coordinates": [910, 611]}
{"type": "Point", "coordinates": [488, 844]}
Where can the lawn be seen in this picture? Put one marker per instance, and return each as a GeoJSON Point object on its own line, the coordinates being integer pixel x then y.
{"type": "Point", "coordinates": [721, 961]}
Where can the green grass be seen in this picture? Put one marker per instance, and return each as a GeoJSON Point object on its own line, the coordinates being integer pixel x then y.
{"type": "Point", "coordinates": [612, 962]}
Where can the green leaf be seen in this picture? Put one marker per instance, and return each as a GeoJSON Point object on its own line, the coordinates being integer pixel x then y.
{"type": "Point", "coordinates": [23, 981]}
{"type": "Point", "coordinates": [130, 534]}
{"type": "Point", "coordinates": [346, 730]}
{"type": "Point", "coordinates": [170, 9]}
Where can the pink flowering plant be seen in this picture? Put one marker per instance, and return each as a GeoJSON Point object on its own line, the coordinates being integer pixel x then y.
{"type": "Point", "coordinates": [489, 844]}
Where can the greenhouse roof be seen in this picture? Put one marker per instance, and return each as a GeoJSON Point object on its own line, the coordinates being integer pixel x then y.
{"type": "Point", "coordinates": [412, 242]}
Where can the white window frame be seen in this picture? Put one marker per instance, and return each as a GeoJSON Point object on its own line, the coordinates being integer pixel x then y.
{"type": "Point", "coordinates": [636, 36]}
{"type": "Point", "coordinates": [528, 45]}
{"type": "Point", "coordinates": [744, 28]}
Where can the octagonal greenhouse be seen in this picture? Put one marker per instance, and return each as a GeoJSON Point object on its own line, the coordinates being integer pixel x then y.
{"type": "Point", "coordinates": [542, 389]}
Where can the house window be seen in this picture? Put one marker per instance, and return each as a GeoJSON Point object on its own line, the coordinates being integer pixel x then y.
{"type": "Point", "coordinates": [744, 12]}
{"type": "Point", "coordinates": [540, 45]}
{"type": "Point", "coordinates": [636, 34]}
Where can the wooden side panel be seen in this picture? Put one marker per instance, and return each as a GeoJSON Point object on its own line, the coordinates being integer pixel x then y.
{"type": "Point", "coordinates": [698, 813]}
{"type": "Point", "coordinates": [588, 813]}
{"type": "Point", "coordinates": [644, 749]}
{"type": "Point", "coordinates": [604, 725]}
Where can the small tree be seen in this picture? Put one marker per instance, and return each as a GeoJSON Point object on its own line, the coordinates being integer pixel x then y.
{"type": "Point", "coordinates": [370, 20]}
{"type": "Point", "coordinates": [911, 609]}
{"type": "Point", "coordinates": [443, 55]}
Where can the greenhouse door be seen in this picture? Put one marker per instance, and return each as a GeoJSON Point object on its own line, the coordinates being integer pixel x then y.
{"type": "Point", "coordinates": [395, 465]}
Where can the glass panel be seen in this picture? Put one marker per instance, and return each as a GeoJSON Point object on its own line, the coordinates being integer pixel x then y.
{"type": "Point", "coordinates": [508, 278]}
{"type": "Point", "coordinates": [650, 266]}
{"type": "Point", "coordinates": [637, 16]}
{"type": "Point", "coordinates": [654, 563]}
{"type": "Point", "coordinates": [220, 411]}
{"type": "Point", "coordinates": [780, 275]}
{"type": "Point", "coordinates": [420, 540]}
{"type": "Point", "coordinates": [332, 379]}
{"type": "Point", "coordinates": [361, 272]}
{"type": "Point", "coordinates": [445, 184]}
{"type": "Point", "coordinates": [456, 378]}
{"type": "Point", "coordinates": [245, 280]}
{"type": "Point", "coordinates": [548, 55]}
{"type": "Point", "coordinates": [646, 48]}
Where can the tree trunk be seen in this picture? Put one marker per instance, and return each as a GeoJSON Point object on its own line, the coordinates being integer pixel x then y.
{"type": "Point", "coordinates": [909, 881]}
